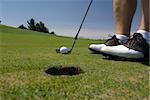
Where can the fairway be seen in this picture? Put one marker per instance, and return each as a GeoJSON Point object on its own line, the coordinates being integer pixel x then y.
{"type": "Point", "coordinates": [26, 55]}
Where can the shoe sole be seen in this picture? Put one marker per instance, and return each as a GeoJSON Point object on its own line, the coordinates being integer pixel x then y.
{"type": "Point", "coordinates": [94, 51]}
{"type": "Point", "coordinates": [118, 58]}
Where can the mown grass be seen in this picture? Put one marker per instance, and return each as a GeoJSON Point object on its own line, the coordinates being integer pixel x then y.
{"type": "Point", "coordinates": [25, 55]}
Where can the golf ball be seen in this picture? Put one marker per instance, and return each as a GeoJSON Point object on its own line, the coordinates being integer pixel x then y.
{"type": "Point", "coordinates": [63, 50]}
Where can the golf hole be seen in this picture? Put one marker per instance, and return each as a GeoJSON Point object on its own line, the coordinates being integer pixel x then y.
{"type": "Point", "coordinates": [64, 70]}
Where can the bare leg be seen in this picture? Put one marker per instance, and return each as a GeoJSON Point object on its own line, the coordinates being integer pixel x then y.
{"type": "Point", "coordinates": [124, 11]}
{"type": "Point", "coordinates": [144, 24]}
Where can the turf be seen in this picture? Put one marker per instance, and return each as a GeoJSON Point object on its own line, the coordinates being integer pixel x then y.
{"type": "Point", "coordinates": [25, 55]}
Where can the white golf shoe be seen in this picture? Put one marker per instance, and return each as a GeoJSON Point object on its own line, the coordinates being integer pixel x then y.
{"type": "Point", "coordinates": [122, 51]}
{"type": "Point", "coordinates": [134, 48]}
{"type": "Point", "coordinates": [110, 42]}
{"type": "Point", "coordinates": [96, 47]}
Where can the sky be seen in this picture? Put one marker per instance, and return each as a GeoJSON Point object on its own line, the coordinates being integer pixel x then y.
{"type": "Point", "coordinates": [64, 16]}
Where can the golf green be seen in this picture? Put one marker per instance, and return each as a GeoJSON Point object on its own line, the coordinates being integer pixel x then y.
{"type": "Point", "coordinates": [26, 55]}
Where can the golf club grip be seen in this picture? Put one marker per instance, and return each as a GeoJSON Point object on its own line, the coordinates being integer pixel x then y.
{"type": "Point", "coordinates": [81, 25]}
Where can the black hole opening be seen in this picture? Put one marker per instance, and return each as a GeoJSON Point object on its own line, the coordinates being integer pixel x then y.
{"type": "Point", "coordinates": [64, 71]}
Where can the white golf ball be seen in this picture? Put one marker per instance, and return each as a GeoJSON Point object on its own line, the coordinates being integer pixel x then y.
{"type": "Point", "coordinates": [63, 50]}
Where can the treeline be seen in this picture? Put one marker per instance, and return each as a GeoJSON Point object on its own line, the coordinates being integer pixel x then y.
{"type": "Point", "coordinates": [32, 25]}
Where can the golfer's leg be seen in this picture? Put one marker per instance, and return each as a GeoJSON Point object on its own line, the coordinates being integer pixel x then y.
{"type": "Point", "coordinates": [124, 11]}
{"type": "Point", "coordinates": [144, 27]}
{"type": "Point", "coordinates": [145, 20]}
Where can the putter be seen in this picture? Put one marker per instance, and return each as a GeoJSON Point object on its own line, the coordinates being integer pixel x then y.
{"type": "Point", "coordinates": [75, 38]}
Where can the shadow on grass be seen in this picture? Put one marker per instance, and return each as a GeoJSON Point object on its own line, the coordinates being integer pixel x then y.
{"type": "Point", "coordinates": [145, 62]}
{"type": "Point", "coordinates": [115, 58]}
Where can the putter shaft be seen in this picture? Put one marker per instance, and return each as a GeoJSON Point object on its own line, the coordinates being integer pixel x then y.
{"type": "Point", "coordinates": [80, 27]}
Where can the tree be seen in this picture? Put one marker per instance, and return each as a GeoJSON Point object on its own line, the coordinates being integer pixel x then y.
{"type": "Point", "coordinates": [22, 27]}
{"type": "Point", "coordinates": [40, 27]}
{"type": "Point", "coordinates": [53, 33]}
{"type": "Point", "coordinates": [43, 28]}
{"type": "Point", "coordinates": [37, 27]}
{"type": "Point", "coordinates": [31, 24]}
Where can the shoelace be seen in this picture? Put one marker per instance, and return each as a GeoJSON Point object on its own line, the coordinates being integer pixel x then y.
{"type": "Point", "coordinates": [112, 37]}
{"type": "Point", "coordinates": [136, 37]}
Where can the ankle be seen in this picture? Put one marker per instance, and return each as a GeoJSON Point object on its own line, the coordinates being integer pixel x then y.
{"type": "Point", "coordinates": [145, 34]}
{"type": "Point", "coordinates": [122, 38]}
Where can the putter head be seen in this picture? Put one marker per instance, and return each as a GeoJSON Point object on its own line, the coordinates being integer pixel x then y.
{"type": "Point", "coordinates": [58, 50]}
